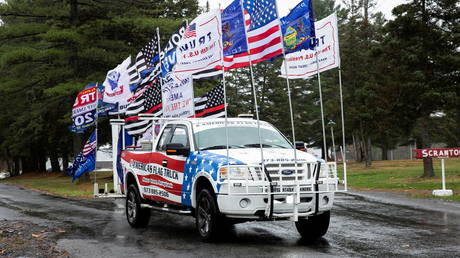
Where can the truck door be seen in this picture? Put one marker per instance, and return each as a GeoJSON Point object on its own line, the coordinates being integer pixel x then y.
{"type": "Point", "coordinates": [167, 171]}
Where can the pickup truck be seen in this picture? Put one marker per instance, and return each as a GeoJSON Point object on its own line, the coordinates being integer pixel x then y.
{"type": "Point", "coordinates": [216, 171]}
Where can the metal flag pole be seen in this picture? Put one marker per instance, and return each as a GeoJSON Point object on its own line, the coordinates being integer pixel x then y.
{"type": "Point", "coordinates": [254, 91]}
{"type": "Point", "coordinates": [97, 116]}
{"type": "Point", "coordinates": [225, 101]}
{"type": "Point", "coordinates": [344, 152]}
{"type": "Point", "coordinates": [321, 100]}
{"type": "Point", "coordinates": [292, 117]}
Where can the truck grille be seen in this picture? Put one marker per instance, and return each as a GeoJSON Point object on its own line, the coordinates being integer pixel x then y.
{"type": "Point", "coordinates": [286, 172]}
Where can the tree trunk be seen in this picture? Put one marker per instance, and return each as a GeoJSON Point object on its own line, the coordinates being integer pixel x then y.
{"type": "Point", "coordinates": [428, 167]}
{"type": "Point", "coordinates": [55, 166]}
{"type": "Point", "coordinates": [423, 143]}
{"type": "Point", "coordinates": [384, 153]}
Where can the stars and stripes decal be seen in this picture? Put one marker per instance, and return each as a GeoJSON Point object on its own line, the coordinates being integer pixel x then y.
{"type": "Point", "coordinates": [199, 163]}
{"type": "Point", "coordinates": [264, 35]}
{"type": "Point", "coordinates": [211, 104]}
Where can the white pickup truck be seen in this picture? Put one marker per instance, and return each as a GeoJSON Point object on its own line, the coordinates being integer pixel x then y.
{"type": "Point", "coordinates": [190, 170]}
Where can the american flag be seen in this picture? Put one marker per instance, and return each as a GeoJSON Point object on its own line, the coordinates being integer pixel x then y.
{"type": "Point", "coordinates": [211, 104]}
{"type": "Point", "coordinates": [190, 31]}
{"type": "Point", "coordinates": [90, 145]}
{"type": "Point", "coordinates": [148, 101]}
{"type": "Point", "coordinates": [264, 35]}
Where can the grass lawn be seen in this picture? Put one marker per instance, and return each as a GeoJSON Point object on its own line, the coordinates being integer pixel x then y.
{"type": "Point", "coordinates": [404, 176]}
{"type": "Point", "coordinates": [60, 184]}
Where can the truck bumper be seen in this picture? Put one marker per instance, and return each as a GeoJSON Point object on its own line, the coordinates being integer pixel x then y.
{"type": "Point", "coordinates": [253, 206]}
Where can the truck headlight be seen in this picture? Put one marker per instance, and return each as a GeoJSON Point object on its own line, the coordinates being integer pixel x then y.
{"type": "Point", "coordinates": [235, 172]}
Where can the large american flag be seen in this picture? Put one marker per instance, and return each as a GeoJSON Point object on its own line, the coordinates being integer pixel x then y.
{"type": "Point", "coordinates": [264, 35]}
{"type": "Point", "coordinates": [148, 101]}
{"type": "Point", "coordinates": [211, 104]}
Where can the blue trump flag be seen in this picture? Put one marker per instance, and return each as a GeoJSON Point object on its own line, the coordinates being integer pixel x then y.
{"type": "Point", "coordinates": [85, 160]}
{"type": "Point", "coordinates": [298, 28]}
{"type": "Point", "coordinates": [233, 30]}
{"type": "Point", "coordinates": [129, 141]}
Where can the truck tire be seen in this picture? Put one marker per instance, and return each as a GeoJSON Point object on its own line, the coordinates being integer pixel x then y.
{"type": "Point", "coordinates": [314, 227]}
{"type": "Point", "coordinates": [137, 216]}
{"type": "Point", "coordinates": [208, 219]}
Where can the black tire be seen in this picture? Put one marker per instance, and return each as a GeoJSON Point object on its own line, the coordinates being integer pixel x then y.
{"type": "Point", "coordinates": [137, 217]}
{"type": "Point", "coordinates": [314, 227]}
{"type": "Point", "coordinates": [209, 221]}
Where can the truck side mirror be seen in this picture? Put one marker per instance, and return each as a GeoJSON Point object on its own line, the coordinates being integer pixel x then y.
{"type": "Point", "coordinates": [300, 146]}
{"type": "Point", "coordinates": [177, 149]}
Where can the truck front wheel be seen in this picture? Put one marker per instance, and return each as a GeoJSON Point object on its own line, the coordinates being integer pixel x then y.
{"type": "Point", "coordinates": [314, 227]}
{"type": "Point", "coordinates": [208, 219]}
{"type": "Point", "coordinates": [137, 216]}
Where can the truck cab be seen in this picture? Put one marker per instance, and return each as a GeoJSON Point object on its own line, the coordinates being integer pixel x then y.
{"type": "Point", "coordinates": [226, 171]}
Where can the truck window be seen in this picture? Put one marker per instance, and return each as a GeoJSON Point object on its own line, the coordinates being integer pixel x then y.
{"type": "Point", "coordinates": [180, 136]}
{"type": "Point", "coordinates": [165, 136]}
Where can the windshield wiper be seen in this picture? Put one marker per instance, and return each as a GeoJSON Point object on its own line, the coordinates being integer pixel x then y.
{"type": "Point", "coordinates": [264, 145]}
{"type": "Point", "coordinates": [217, 147]}
{"type": "Point", "coordinates": [256, 145]}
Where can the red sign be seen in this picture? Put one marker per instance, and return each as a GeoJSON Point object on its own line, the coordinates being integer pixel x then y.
{"type": "Point", "coordinates": [437, 153]}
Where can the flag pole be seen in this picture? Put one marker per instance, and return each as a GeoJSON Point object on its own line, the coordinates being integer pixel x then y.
{"type": "Point", "coordinates": [225, 100]}
{"type": "Point", "coordinates": [344, 152]}
{"type": "Point", "coordinates": [97, 118]}
{"type": "Point", "coordinates": [253, 90]}
{"type": "Point", "coordinates": [321, 100]}
{"type": "Point", "coordinates": [160, 77]}
{"type": "Point", "coordinates": [291, 115]}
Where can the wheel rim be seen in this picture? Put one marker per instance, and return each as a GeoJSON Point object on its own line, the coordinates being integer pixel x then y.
{"type": "Point", "coordinates": [204, 216]}
{"type": "Point", "coordinates": [131, 207]}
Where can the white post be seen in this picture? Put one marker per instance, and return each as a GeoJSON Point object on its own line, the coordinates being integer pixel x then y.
{"type": "Point", "coordinates": [443, 191]}
{"type": "Point", "coordinates": [443, 175]}
{"type": "Point", "coordinates": [116, 127]}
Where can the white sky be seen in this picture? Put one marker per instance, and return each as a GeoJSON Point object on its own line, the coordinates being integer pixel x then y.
{"type": "Point", "coordinates": [384, 6]}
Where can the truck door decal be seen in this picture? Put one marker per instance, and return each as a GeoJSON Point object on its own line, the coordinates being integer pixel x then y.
{"type": "Point", "coordinates": [155, 181]}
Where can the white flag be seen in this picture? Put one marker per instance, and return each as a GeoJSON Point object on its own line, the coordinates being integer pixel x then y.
{"type": "Point", "coordinates": [178, 97]}
{"type": "Point", "coordinates": [201, 45]}
{"type": "Point", "coordinates": [302, 64]}
{"type": "Point", "coordinates": [116, 86]}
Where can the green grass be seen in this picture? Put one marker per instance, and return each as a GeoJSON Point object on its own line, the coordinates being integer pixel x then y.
{"type": "Point", "coordinates": [404, 176]}
{"type": "Point", "coordinates": [60, 184]}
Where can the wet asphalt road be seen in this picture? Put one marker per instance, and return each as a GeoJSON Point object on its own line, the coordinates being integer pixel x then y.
{"type": "Point", "coordinates": [362, 225]}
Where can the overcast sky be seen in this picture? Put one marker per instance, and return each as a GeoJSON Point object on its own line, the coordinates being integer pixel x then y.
{"type": "Point", "coordinates": [385, 6]}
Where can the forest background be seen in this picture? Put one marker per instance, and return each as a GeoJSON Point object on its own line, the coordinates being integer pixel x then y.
{"type": "Point", "coordinates": [400, 76]}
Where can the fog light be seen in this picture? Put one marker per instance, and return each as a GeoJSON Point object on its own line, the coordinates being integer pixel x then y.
{"type": "Point", "coordinates": [244, 203]}
{"type": "Point", "coordinates": [325, 200]}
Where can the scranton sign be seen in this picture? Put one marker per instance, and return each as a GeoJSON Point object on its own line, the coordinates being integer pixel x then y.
{"type": "Point", "coordinates": [437, 153]}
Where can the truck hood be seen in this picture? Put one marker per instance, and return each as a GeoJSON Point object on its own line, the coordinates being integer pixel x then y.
{"type": "Point", "coordinates": [271, 155]}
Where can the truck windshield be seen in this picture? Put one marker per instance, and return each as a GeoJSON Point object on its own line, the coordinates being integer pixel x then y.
{"type": "Point", "coordinates": [240, 137]}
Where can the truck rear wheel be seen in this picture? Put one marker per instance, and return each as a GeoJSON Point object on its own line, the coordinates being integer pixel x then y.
{"type": "Point", "coordinates": [137, 216]}
{"type": "Point", "coordinates": [208, 219]}
{"type": "Point", "coordinates": [314, 227]}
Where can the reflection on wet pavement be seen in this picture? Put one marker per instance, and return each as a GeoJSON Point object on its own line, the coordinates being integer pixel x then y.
{"type": "Point", "coordinates": [359, 227]}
